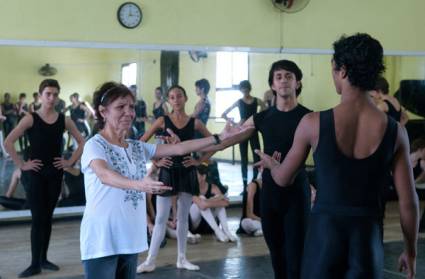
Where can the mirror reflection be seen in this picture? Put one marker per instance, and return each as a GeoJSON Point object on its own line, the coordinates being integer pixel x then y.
{"type": "Point", "coordinates": [149, 74]}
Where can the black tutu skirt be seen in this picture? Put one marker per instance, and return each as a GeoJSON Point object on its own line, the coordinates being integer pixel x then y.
{"type": "Point", "coordinates": [181, 179]}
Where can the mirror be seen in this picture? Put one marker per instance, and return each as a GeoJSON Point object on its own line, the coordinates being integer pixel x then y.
{"type": "Point", "coordinates": [83, 69]}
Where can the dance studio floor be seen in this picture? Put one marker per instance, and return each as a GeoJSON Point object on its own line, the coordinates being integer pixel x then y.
{"type": "Point", "coordinates": [247, 258]}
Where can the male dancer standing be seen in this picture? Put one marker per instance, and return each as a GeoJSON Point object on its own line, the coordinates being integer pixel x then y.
{"type": "Point", "coordinates": [355, 145]}
{"type": "Point", "coordinates": [283, 210]}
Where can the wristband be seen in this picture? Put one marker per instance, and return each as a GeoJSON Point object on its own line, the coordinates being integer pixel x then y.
{"type": "Point", "coordinates": [217, 139]}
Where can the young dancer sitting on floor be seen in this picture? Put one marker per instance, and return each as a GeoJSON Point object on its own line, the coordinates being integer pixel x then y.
{"type": "Point", "coordinates": [209, 205]}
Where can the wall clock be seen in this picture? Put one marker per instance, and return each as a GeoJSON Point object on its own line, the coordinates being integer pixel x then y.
{"type": "Point", "coordinates": [129, 15]}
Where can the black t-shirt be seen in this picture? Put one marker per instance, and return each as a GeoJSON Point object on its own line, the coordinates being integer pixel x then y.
{"type": "Point", "coordinates": [278, 130]}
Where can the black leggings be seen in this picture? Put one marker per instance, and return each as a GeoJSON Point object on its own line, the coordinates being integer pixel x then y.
{"type": "Point", "coordinates": [283, 224]}
{"type": "Point", "coordinates": [8, 126]}
{"type": "Point", "coordinates": [243, 148]}
{"type": "Point", "coordinates": [343, 247]}
{"type": "Point", "coordinates": [42, 195]}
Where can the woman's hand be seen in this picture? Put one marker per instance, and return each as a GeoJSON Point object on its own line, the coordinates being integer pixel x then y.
{"type": "Point", "coordinates": [171, 139]}
{"type": "Point", "coordinates": [231, 130]}
{"type": "Point", "coordinates": [165, 162]}
{"type": "Point", "coordinates": [189, 161]}
{"type": "Point", "coordinates": [34, 165]}
{"type": "Point", "coordinates": [148, 185]}
{"type": "Point", "coordinates": [266, 161]}
{"type": "Point", "coordinates": [61, 163]}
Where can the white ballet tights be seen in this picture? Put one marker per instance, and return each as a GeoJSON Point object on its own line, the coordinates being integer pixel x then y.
{"type": "Point", "coordinates": [163, 206]}
{"type": "Point", "coordinates": [209, 214]}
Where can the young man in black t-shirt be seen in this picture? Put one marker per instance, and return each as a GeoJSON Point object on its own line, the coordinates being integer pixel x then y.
{"type": "Point", "coordinates": [284, 212]}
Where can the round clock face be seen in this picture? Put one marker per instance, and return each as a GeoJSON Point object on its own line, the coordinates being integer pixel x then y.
{"type": "Point", "coordinates": [129, 15]}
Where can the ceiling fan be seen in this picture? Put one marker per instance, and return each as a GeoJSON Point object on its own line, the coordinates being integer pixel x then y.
{"type": "Point", "coordinates": [290, 6]}
{"type": "Point", "coordinates": [47, 70]}
{"type": "Point", "coordinates": [197, 55]}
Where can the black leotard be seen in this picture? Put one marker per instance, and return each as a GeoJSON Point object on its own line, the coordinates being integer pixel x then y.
{"type": "Point", "coordinates": [247, 110]}
{"type": "Point", "coordinates": [159, 111]}
{"type": "Point", "coordinates": [344, 238]}
{"type": "Point", "coordinates": [180, 178]}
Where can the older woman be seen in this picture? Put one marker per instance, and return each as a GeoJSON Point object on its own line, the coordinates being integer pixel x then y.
{"type": "Point", "coordinates": [45, 129]}
{"type": "Point", "coordinates": [113, 230]}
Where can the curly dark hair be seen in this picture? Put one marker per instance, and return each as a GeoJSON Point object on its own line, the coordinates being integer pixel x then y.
{"type": "Point", "coordinates": [289, 66]}
{"type": "Point", "coordinates": [105, 95]}
{"type": "Point", "coordinates": [362, 57]}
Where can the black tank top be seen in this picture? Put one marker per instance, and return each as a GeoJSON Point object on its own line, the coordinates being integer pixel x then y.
{"type": "Point", "coordinates": [395, 114]}
{"type": "Point", "coordinates": [185, 133]}
{"type": "Point", "coordinates": [348, 186]}
{"type": "Point", "coordinates": [247, 110]}
{"type": "Point", "coordinates": [46, 139]}
{"type": "Point", "coordinates": [140, 108]}
{"type": "Point", "coordinates": [159, 111]}
{"type": "Point", "coordinates": [208, 194]}
{"type": "Point", "coordinates": [205, 112]}
{"type": "Point", "coordinates": [77, 113]}
{"type": "Point", "coordinates": [24, 108]}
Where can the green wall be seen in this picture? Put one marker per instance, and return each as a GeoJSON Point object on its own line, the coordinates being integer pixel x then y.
{"type": "Point", "coordinates": [217, 23]}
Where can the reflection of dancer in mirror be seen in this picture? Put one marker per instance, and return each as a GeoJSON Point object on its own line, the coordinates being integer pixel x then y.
{"type": "Point", "coordinates": [203, 106]}
{"type": "Point", "coordinates": [9, 111]}
{"type": "Point", "coordinates": [44, 167]}
{"type": "Point", "coordinates": [344, 234]}
{"type": "Point", "coordinates": [159, 106]}
{"type": "Point", "coordinates": [79, 113]}
{"type": "Point", "coordinates": [3, 150]}
{"type": "Point", "coordinates": [141, 115]}
{"type": "Point", "coordinates": [36, 104]}
{"type": "Point", "coordinates": [387, 103]}
{"type": "Point", "coordinates": [247, 106]}
{"type": "Point", "coordinates": [22, 110]}
{"type": "Point", "coordinates": [269, 98]}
